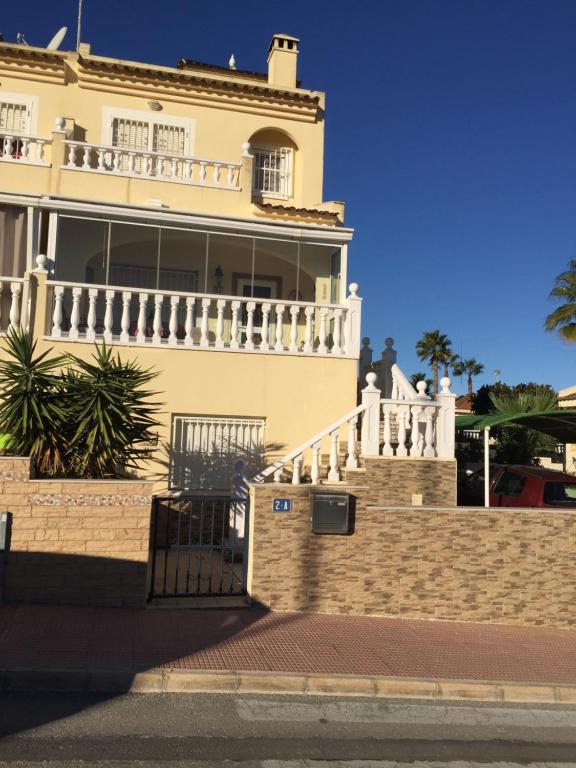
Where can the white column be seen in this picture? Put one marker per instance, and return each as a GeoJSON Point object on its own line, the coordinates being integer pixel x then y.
{"type": "Point", "coordinates": [315, 468]}
{"type": "Point", "coordinates": [71, 155]}
{"type": "Point", "coordinates": [415, 444]}
{"type": "Point", "coordinates": [173, 323]}
{"type": "Point", "coordinates": [429, 433]}
{"type": "Point", "coordinates": [250, 309]}
{"type": "Point", "coordinates": [353, 322]}
{"type": "Point", "coordinates": [309, 338]}
{"type": "Point", "coordinates": [15, 291]}
{"type": "Point", "coordinates": [294, 312]}
{"type": "Point", "coordinates": [234, 326]}
{"type": "Point", "coordinates": [57, 314]}
{"type": "Point", "coordinates": [387, 449]}
{"type": "Point", "coordinates": [402, 417]}
{"type": "Point", "coordinates": [75, 314]}
{"type": "Point", "coordinates": [322, 348]}
{"type": "Point", "coordinates": [296, 467]}
{"type": "Point", "coordinates": [91, 319]}
{"type": "Point", "coordinates": [370, 431]}
{"type": "Point", "coordinates": [220, 306]}
{"type": "Point", "coordinates": [279, 328]}
{"type": "Point", "coordinates": [157, 322]}
{"type": "Point", "coordinates": [337, 335]}
{"type": "Point", "coordinates": [125, 320]}
{"type": "Point", "coordinates": [265, 343]}
{"type": "Point", "coordinates": [333, 474]}
{"type": "Point", "coordinates": [189, 322]}
{"type": "Point", "coordinates": [108, 316]}
{"type": "Point", "coordinates": [142, 306]}
{"type": "Point", "coordinates": [351, 460]}
{"type": "Point", "coordinates": [446, 421]}
{"type": "Point", "coordinates": [204, 338]}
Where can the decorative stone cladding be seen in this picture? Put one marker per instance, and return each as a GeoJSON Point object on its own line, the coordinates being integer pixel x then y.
{"type": "Point", "coordinates": [394, 481]}
{"type": "Point", "coordinates": [73, 541]}
{"type": "Point", "coordinates": [501, 566]}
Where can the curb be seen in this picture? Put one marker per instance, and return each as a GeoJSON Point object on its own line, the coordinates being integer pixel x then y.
{"type": "Point", "coordinates": [372, 686]}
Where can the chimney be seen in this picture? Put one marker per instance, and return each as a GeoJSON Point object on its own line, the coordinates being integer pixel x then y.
{"type": "Point", "coordinates": [282, 61]}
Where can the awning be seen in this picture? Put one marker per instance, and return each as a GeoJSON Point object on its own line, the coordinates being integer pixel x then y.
{"type": "Point", "coordinates": [559, 423]}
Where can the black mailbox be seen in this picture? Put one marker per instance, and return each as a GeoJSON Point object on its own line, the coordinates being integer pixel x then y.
{"type": "Point", "coordinates": [332, 513]}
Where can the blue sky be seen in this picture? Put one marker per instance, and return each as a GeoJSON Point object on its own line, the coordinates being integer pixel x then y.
{"type": "Point", "coordinates": [450, 135]}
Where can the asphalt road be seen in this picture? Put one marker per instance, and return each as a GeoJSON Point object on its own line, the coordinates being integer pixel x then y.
{"type": "Point", "coordinates": [174, 731]}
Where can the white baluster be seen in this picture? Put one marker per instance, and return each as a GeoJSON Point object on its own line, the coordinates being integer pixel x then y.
{"type": "Point", "coordinates": [220, 306]}
{"type": "Point", "coordinates": [125, 319]}
{"type": "Point", "coordinates": [109, 316]}
{"type": "Point", "coordinates": [294, 312]}
{"type": "Point", "coordinates": [429, 433]}
{"type": "Point", "coordinates": [333, 473]}
{"type": "Point", "coordinates": [216, 173]}
{"type": "Point", "coordinates": [322, 348]}
{"type": "Point", "coordinates": [116, 161]}
{"type": "Point", "coordinates": [25, 149]}
{"type": "Point", "coordinates": [91, 319]}
{"type": "Point", "coordinates": [395, 389]}
{"type": "Point", "coordinates": [173, 323]}
{"type": "Point", "coordinates": [71, 155]}
{"type": "Point", "coordinates": [86, 158]}
{"type": "Point", "coordinates": [250, 309]}
{"type": "Point", "coordinates": [315, 468]}
{"type": "Point", "coordinates": [401, 415]}
{"type": "Point", "coordinates": [100, 154]}
{"type": "Point", "coordinates": [187, 170]}
{"type": "Point", "coordinates": [57, 314]}
{"type": "Point", "coordinates": [415, 443]}
{"type": "Point", "coordinates": [189, 323]}
{"type": "Point", "coordinates": [234, 327]}
{"type": "Point", "coordinates": [230, 175]}
{"type": "Point", "coordinates": [7, 151]}
{"type": "Point", "coordinates": [264, 344]}
{"type": "Point", "coordinates": [75, 314]}
{"type": "Point", "coordinates": [174, 168]}
{"type": "Point", "coordinates": [15, 291]}
{"type": "Point", "coordinates": [337, 335]}
{"type": "Point", "coordinates": [142, 307]}
{"type": "Point", "coordinates": [309, 339]}
{"type": "Point", "coordinates": [40, 150]}
{"type": "Point", "coordinates": [279, 328]}
{"type": "Point", "coordinates": [351, 460]}
{"type": "Point", "coordinates": [202, 172]}
{"type": "Point", "coordinates": [387, 449]}
{"type": "Point", "coordinates": [157, 322]}
{"type": "Point", "coordinates": [131, 162]}
{"type": "Point", "coordinates": [296, 467]}
{"type": "Point", "coordinates": [278, 475]}
{"type": "Point", "coordinates": [204, 338]}
{"type": "Point", "coordinates": [147, 163]}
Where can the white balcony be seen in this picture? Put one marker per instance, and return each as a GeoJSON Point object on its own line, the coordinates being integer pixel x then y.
{"type": "Point", "coordinates": [131, 316]}
{"type": "Point", "coordinates": [27, 150]}
{"type": "Point", "coordinates": [156, 166]}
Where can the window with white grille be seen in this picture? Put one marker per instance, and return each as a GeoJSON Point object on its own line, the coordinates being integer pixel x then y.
{"type": "Point", "coordinates": [273, 171]}
{"type": "Point", "coordinates": [16, 114]}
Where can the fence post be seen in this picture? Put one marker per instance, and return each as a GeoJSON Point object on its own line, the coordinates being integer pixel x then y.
{"type": "Point", "coordinates": [353, 321]}
{"type": "Point", "coordinates": [446, 421]}
{"type": "Point", "coordinates": [38, 299]}
{"type": "Point", "coordinates": [370, 434]}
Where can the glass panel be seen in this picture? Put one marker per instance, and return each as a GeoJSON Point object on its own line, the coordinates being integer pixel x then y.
{"type": "Point", "coordinates": [12, 241]}
{"type": "Point", "coordinates": [182, 261]}
{"type": "Point", "coordinates": [276, 267]}
{"type": "Point", "coordinates": [133, 256]}
{"type": "Point", "coordinates": [229, 264]}
{"type": "Point", "coordinates": [81, 249]}
{"type": "Point", "coordinates": [320, 273]}
{"type": "Point", "coordinates": [560, 494]}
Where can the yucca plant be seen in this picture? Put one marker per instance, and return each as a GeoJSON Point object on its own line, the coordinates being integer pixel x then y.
{"type": "Point", "coordinates": [111, 415]}
{"type": "Point", "coordinates": [31, 403]}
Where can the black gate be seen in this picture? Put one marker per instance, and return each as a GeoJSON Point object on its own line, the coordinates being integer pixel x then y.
{"type": "Point", "coordinates": [199, 546]}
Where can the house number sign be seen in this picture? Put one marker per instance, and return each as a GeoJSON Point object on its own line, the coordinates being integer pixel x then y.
{"type": "Point", "coordinates": [282, 505]}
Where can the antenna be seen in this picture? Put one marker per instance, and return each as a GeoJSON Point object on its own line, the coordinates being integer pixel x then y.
{"type": "Point", "coordinates": [56, 41]}
{"type": "Point", "coordinates": [80, 2]}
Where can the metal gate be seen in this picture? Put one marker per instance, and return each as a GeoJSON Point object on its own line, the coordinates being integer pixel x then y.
{"type": "Point", "coordinates": [199, 546]}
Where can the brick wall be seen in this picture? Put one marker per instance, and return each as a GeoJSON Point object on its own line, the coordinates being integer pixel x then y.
{"type": "Point", "coordinates": [494, 566]}
{"type": "Point", "coordinates": [75, 542]}
{"type": "Point", "coordinates": [393, 481]}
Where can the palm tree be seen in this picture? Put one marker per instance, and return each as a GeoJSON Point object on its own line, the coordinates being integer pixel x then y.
{"type": "Point", "coordinates": [434, 348]}
{"type": "Point", "coordinates": [563, 319]}
{"type": "Point", "coordinates": [469, 368]}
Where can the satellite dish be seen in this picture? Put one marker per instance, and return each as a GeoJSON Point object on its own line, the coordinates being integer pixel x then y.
{"type": "Point", "coordinates": [56, 41]}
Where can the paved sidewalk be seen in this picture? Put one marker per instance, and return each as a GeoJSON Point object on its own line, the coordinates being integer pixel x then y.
{"type": "Point", "coordinates": [43, 637]}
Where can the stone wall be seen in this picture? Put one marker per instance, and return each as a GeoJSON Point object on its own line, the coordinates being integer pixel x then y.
{"type": "Point", "coordinates": [394, 481]}
{"type": "Point", "coordinates": [506, 566]}
{"type": "Point", "coordinates": [75, 542]}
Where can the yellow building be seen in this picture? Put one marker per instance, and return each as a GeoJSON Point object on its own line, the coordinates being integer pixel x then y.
{"type": "Point", "coordinates": [177, 213]}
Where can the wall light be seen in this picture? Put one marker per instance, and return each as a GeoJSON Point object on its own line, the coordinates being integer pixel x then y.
{"type": "Point", "coordinates": [155, 106]}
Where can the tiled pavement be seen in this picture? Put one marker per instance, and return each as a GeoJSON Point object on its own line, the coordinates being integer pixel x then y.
{"type": "Point", "coordinates": [45, 637]}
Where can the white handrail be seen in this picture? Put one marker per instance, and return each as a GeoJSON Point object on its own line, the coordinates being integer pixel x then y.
{"type": "Point", "coordinates": [403, 385]}
{"type": "Point", "coordinates": [162, 155]}
{"type": "Point", "coordinates": [281, 463]}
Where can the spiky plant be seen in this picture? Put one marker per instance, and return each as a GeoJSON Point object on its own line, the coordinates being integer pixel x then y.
{"type": "Point", "coordinates": [563, 319]}
{"type": "Point", "coordinates": [31, 403]}
{"type": "Point", "coordinates": [112, 414]}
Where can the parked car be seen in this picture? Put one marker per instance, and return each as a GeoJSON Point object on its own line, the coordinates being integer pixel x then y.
{"type": "Point", "coordinates": [520, 486]}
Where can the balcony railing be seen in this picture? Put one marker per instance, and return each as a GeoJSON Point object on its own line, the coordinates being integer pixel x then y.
{"type": "Point", "coordinates": [28, 150]}
{"type": "Point", "coordinates": [158, 166]}
{"type": "Point", "coordinates": [113, 314]}
{"type": "Point", "coordinates": [12, 291]}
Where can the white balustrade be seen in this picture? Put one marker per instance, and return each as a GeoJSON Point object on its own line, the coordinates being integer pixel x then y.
{"type": "Point", "coordinates": [120, 315]}
{"type": "Point", "coordinates": [28, 150]}
{"type": "Point", "coordinates": [100, 158]}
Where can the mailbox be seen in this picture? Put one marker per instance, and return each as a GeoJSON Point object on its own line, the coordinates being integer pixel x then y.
{"type": "Point", "coordinates": [332, 513]}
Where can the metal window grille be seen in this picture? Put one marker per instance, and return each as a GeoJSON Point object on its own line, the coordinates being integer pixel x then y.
{"type": "Point", "coordinates": [272, 171]}
{"type": "Point", "coordinates": [14, 118]}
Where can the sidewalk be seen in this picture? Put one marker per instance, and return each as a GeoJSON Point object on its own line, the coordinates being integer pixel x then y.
{"type": "Point", "coordinates": [296, 652]}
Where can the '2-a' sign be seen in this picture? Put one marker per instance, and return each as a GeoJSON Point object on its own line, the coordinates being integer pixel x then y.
{"type": "Point", "coordinates": [282, 505]}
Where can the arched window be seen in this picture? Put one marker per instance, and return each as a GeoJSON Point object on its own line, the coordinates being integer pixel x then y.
{"type": "Point", "coordinates": [274, 153]}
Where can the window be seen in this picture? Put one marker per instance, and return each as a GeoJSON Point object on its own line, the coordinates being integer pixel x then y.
{"type": "Point", "coordinates": [16, 114]}
{"type": "Point", "coordinates": [509, 484]}
{"type": "Point", "coordinates": [273, 172]}
{"type": "Point", "coordinates": [560, 494]}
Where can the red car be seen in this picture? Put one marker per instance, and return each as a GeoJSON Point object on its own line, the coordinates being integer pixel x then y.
{"type": "Point", "coordinates": [526, 486]}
